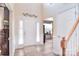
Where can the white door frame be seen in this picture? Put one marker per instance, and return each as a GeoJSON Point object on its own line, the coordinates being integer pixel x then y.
{"type": "Point", "coordinates": [11, 29]}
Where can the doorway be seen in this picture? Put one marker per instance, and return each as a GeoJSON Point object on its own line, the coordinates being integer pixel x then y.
{"type": "Point", "coordinates": [4, 30]}
{"type": "Point", "coordinates": [47, 30]}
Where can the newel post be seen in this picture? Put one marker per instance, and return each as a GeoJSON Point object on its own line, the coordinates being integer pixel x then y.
{"type": "Point", "coordinates": [63, 46]}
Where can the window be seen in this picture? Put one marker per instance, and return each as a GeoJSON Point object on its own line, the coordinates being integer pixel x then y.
{"type": "Point", "coordinates": [21, 32]}
{"type": "Point", "coordinates": [38, 34]}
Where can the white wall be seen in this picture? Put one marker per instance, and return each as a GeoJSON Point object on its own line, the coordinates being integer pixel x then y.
{"type": "Point", "coordinates": [63, 23]}
{"type": "Point", "coordinates": [30, 31]}
{"type": "Point", "coordinates": [16, 11]}
{"type": "Point", "coordinates": [29, 23]}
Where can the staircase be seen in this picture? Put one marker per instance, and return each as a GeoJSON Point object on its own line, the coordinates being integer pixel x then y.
{"type": "Point", "coordinates": [66, 39]}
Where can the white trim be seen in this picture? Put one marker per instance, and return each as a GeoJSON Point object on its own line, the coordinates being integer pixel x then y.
{"type": "Point", "coordinates": [11, 29]}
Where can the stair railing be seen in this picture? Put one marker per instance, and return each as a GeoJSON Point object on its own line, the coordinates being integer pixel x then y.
{"type": "Point", "coordinates": [65, 40]}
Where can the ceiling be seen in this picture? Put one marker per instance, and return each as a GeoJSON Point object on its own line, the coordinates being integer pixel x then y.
{"type": "Point", "coordinates": [52, 9]}
{"type": "Point", "coordinates": [49, 9]}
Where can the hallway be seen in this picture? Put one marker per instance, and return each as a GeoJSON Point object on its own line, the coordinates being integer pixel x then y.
{"type": "Point", "coordinates": [23, 32]}
{"type": "Point", "coordinates": [36, 50]}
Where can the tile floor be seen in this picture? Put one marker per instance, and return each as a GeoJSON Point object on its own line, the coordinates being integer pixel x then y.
{"type": "Point", "coordinates": [37, 50]}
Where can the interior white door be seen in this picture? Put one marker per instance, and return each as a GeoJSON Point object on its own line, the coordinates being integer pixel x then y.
{"type": "Point", "coordinates": [30, 29]}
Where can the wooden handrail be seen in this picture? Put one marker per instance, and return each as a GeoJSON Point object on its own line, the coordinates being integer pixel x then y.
{"type": "Point", "coordinates": [67, 38]}
{"type": "Point", "coordinates": [72, 30]}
